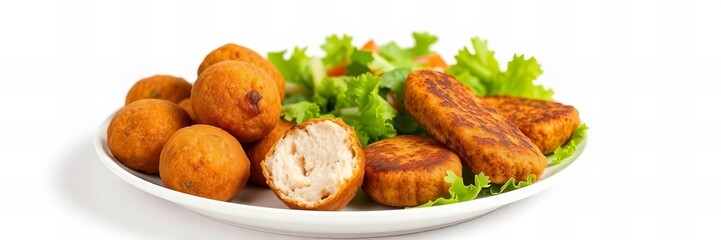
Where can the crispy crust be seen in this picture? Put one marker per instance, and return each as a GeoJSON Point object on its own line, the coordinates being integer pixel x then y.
{"type": "Point", "coordinates": [548, 124]}
{"type": "Point", "coordinates": [138, 132]}
{"type": "Point", "coordinates": [345, 193]}
{"type": "Point", "coordinates": [204, 161]}
{"type": "Point", "coordinates": [164, 87]}
{"type": "Point", "coordinates": [236, 52]}
{"type": "Point", "coordinates": [187, 105]}
{"type": "Point", "coordinates": [406, 170]}
{"type": "Point", "coordinates": [257, 151]}
{"type": "Point", "coordinates": [237, 97]}
{"type": "Point", "coordinates": [485, 140]}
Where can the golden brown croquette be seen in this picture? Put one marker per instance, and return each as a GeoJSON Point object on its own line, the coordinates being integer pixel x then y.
{"type": "Point", "coordinates": [237, 97]}
{"type": "Point", "coordinates": [165, 87]}
{"type": "Point", "coordinates": [138, 131]}
{"type": "Point", "coordinates": [204, 161]}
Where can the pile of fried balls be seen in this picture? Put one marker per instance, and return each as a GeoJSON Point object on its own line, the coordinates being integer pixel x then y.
{"type": "Point", "coordinates": [191, 134]}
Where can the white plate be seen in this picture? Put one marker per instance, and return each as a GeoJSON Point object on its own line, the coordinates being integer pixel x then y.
{"type": "Point", "coordinates": [258, 208]}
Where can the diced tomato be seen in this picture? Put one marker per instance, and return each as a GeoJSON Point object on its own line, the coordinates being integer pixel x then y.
{"type": "Point", "coordinates": [336, 71]}
{"type": "Point", "coordinates": [370, 46]}
{"type": "Point", "coordinates": [432, 60]}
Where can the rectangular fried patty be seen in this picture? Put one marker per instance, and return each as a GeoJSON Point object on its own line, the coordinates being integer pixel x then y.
{"type": "Point", "coordinates": [548, 124]}
{"type": "Point", "coordinates": [485, 140]}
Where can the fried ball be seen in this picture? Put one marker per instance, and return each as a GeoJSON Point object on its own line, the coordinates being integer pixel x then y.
{"type": "Point", "coordinates": [232, 51]}
{"type": "Point", "coordinates": [485, 140]}
{"type": "Point", "coordinates": [165, 87]}
{"type": "Point", "coordinates": [407, 171]}
{"type": "Point", "coordinates": [204, 161]}
{"type": "Point", "coordinates": [317, 165]}
{"type": "Point", "coordinates": [257, 151]}
{"type": "Point", "coordinates": [138, 131]}
{"type": "Point", "coordinates": [237, 97]}
{"type": "Point", "coordinates": [187, 105]}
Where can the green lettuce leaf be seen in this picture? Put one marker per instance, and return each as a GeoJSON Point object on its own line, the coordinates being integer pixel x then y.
{"type": "Point", "coordinates": [406, 124]}
{"type": "Point", "coordinates": [479, 70]}
{"type": "Point", "coordinates": [395, 82]}
{"type": "Point", "coordinates": [341, 52]}
{"type": "Point", "coordinates": [510, 185]}
{"type": "Point", "coordinates": [424, 40]}
{"type": "Point", "coordinates": [569, 148]}
{"type": "Point", "coordinates": [471, 81]}
{"type": "Point", "coordinates": [361, 107]}
{"type": "Point", "coordinates": [404, 57]}
{"type": "Point", "coordinates": [359, 62]}
{"type": "Point", "coordinates": [380, 65]}
{"type": "Point", "coordinates": [518, 79]}
{"type": "Point", "coordinates": [338, 50]}
{"type": "Point", "coordinates": [300, 111]}
{"type": "Point", "coordinates": [295, 98]}
{"type": "Point", "coordinates": [327, 90]}
{"type": "Point", "coordinates": [295, 69]}
{"type": "Point", "coordinates": [460, 192]}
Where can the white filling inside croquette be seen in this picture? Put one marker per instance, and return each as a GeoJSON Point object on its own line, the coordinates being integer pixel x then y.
{"type": "Point", "coordinates": [311, 164]}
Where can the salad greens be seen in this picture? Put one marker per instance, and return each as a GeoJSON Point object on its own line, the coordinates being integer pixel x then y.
{"type": "Point", "coordinates": [565, 151]}
{"type": "Point", "coordinates": [460, 192]}
{"type": "Point", "coordinates": [365, 87]}
{"type": "Point", "coordinates": [404, 57]}
{"type": "Point", "coordinates": [510, 185]}
{"type": "Point", "coordinates": [361, 107]}
{"type": "Point", "coordinates": [479, 70]}
{"type": "Point", "coordinates": [295, 69]}
{"type": "Point", "coordinates": [300, 111]}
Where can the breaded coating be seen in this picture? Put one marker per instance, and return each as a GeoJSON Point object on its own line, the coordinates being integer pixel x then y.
{"type": "Point", "coordinates": [138, 132]}
{"type": "Point", "coordinates": [258, 150]}
{"type": "Point", "coordinates": [485, 140]}
{"type": "Point", "coordinates": [317, 165]}
{"type": "Point", "coordinates": [187, 105]}
{"type": "Point", "coordinates": [407, 170]}
{"type": "Point", "coordinates": [548, 124]}
{"type": "Point", "coordinates": [236, 52]}
{"type": "Point", "coordinates": [204, 161]}
{"type": "Point", "coordinates": [164, 87]}
{"type": "Point", "coordinates": [239, 98]}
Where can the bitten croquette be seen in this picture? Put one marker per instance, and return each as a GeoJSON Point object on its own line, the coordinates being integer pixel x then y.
{"type": "Point", "coordinates": [257, 151]}
{"type": "Point", "coordinates": [317, 165]}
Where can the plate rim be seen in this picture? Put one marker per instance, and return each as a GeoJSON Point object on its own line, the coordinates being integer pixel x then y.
{"type": "Point", "coordinates": [339, 218]}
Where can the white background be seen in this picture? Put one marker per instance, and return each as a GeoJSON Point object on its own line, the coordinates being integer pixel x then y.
{"type": "Point", "coordinates": [644, 75]}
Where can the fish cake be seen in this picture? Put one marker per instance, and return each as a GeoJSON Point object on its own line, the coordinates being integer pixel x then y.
{"type": "Point", "coordinates": [485, 140]}
{"type": "Point", "coordinates": [407, 170]}
{"type": "Point", "coordinates": [236, 52]}
{"type": "Point", "coordinates": [548, 124]}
